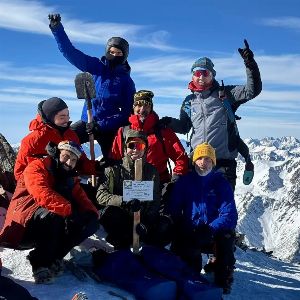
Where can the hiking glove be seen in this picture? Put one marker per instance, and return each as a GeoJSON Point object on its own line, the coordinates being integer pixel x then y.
{"type": "Point", "coordinates": [54, 20]}
{"type": "Point", "coordinates": [141, 230]}
{"type": "Point", "coordinates": [133, 205]}
{"type": "Point", "coordinates": [164, 122]}
{"type": "Point", "coordinates": [246, 53]}
{"type": "Point", "coordinates": [92, 127]}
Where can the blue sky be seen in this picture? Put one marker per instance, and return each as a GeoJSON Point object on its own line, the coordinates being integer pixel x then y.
{"type": "Point", "coordinates": [165, 38]}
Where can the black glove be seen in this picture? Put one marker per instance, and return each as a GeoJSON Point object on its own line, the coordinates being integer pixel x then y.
{"type": "Point", "coordinates": [246, 54]}
{"type": "Point", "coordinates": [141, 230]}
{"type": "Point", "coordinates": [54, 20]}
{"type": "Point", "coordinates": [51, 149]}
{"type": "Point", "coordinates": [165, 229]}
{"type": "Point", "coordinates": [174, 178]}
{"type": "Point", "coordinates": [164, 122]}
{"type": "Point", "coordinates": [76, 222]}
{"type": "Point", "coordinates": [204, 234]}
{"type": "Point", "coordinates": [92, 127]}
{"type": "Point", "coordinates": [133, 205]}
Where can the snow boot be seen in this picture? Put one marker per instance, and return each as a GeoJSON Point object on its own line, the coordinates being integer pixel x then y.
{"type": "Point", "coordinates": [224, 278]}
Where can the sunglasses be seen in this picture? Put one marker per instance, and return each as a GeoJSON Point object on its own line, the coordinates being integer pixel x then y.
{"type": "Point", "coordinates": [136, 146]}
{"type": "Point", "coordinates": [204, 73]}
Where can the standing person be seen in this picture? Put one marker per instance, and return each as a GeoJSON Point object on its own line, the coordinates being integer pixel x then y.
{"type": "Point", "coordinates": [163, 144]}
{"type": "Point", "coordinates": [49, 211]}
{"type": "Point", "coordinates": [114, 86]}
{"type": "Point", "coordinates": [205, 112]}
{"type": "Point", "coordinates": [203, 209]}
{"type": "Point", "coordinates": [52, 124]}
{"type": "Point", "coordinates": [117, 216]}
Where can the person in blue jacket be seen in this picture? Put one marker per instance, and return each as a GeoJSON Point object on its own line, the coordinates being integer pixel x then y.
{"type": "Point", "coordinates": [203, 209]}
{"type": "Point", "coordinates": [114, 86]}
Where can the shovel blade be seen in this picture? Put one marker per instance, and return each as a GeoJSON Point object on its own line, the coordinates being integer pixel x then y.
{"type": "Point", "coordinates": [85, 87]}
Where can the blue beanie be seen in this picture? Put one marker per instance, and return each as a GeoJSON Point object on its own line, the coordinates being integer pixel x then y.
{"type": "Point", "coordinates": [203, 63]}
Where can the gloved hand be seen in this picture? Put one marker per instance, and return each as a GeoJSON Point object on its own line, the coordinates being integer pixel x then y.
{"type": "Point", "coordinates": [246, 53]}
{"type": "Point", "coordinates": [165, 230]}
{"type": "Point", "coordinates": [92, 127]}
{"type": "Point", "coordinates": [164, 122]}
{"type": "Point", "coordinates": [204, 234]}
{"type": "Point", "coordinates": [175, 177]}
{"type": "Point", "coordinates": [141, 230]}
{"type": "Point", "coordinates": [133, 205]}
{"type": "Point", "coordinates": [77, 221]}
{"type": "Point", "coordinates": [51, 149]}
{"type": "Point", "coordinates": [54, 20]}
{"type": "Point", "coordinates": [248, 173]}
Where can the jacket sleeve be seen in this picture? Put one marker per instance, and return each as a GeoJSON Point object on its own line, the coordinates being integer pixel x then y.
{"type": "Point", "coordinates": [184, 124]}
{"type": "Point", "coordinates": [116, 121]}
{"type": "Point", "coordinates": [86, 166]}
{"type": "Point", "coordinates": [251, 89]}
{"type": "Point", "coordinates": [175, 151]}
{"type": "Point", "coordinates": [37, 182]}
{"type": "Point", "coordinates": [84, 203]}
{"type": "Point", "coordinates": [228, 215]}
{"type": "Point", "coordinates": [117, 151]}
{"type": "Point", "coordinates": [77, 58]}
{"type": "Point", "coordinates": [105, 190]}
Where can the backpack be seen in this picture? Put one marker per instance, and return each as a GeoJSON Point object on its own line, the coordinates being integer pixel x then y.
{"type": "Point", "coordinates": [157, 133]}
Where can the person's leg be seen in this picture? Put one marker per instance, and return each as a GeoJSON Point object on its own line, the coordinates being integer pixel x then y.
{"type": "Point", "coordinates": [228, 167]}
{"type": "Point", "coordinates": [105, 140]}
{"type": "Point", "coordinates": [80, 129]}
{"type": "Point", "coordinates": [225, 246]}
{"type": "Point", "coordinates": [118, 224]}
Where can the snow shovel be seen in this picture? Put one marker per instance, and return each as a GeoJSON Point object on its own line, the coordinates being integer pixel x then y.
{"type": "Point", "coordinates": [138, 176]}
{"type": "Point", "coordinates": [85, 89]}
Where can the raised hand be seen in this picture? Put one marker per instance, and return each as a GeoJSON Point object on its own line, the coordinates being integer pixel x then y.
{"type": "Point", "coordinates": [246, 53]}
{"type": "Point", "coordinates": [54, 20]}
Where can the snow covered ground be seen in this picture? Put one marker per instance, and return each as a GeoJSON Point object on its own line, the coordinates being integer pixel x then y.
{"type": "Point", "coordinates": [257, 276]}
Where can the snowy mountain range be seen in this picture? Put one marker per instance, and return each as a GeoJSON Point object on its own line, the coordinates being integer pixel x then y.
{"type": "Point", "coordinates": [269, 208]}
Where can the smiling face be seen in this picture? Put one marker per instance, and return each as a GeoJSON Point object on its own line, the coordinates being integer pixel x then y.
{"type": "Point", "coordinates": [142, 109]}
{"type": "Point", "coordinates": [62, 118]}
{"type": "Point", "coordinates": [202, 77]}
{"type": "Point", "coordinates": [203, 165]}
{"type": "Point", "coordinates": [135, 148]}
{"type": "Point", "coordinates": [68, 160]}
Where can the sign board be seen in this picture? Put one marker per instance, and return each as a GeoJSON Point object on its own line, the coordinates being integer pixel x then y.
{"type": "Point", "coordinates": [141, 190]}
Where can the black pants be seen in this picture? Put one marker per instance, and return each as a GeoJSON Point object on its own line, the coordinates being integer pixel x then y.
{"type": "Point", "coordinates": [189, 248]}
{"type": "Point", "coordinates": [104, 138]}
{"type": "Point", "coordinates": [51, 240]}
{"type": "Point", "coordinates": [228, 167]}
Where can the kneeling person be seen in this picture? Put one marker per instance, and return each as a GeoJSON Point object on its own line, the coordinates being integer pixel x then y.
{"type": "Point", "coordinates": [203, 209]}
{"type": "Point", "coordinates": [49, 211]}
{"type": "Point", "coordinates": [117, 215]}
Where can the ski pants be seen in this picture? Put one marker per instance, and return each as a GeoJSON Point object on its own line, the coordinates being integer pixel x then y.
{"type": "Point", "coordinates": [228, 167]}
{"type": "Point", "coordinates": [48, 234]}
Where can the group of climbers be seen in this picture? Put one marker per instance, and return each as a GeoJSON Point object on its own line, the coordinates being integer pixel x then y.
{"type": "Point", "coordinates": [51, 209]}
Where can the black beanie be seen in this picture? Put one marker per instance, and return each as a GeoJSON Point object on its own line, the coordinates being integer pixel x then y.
{"type": "Point", "coordinates": [119, 43]}
{"type": "Point", "coordinates": [52, 106]}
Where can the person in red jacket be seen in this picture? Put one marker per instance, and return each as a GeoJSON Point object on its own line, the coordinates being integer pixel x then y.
{"type": "Point", "coordinates": [49, 211]}
{"type": "Point", "coordinates": [52, 124]}
{"type": "Point", "coordinates": [163, 144]}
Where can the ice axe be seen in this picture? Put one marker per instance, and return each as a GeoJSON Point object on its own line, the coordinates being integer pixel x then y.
{"type": "Point", "coordinates": [85, 89]}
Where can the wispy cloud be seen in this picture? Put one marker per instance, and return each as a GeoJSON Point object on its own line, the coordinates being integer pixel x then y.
{"type": "Point", "coordinates": [283, 22]}
{"type": "Point", "coordinates": [31, 16]}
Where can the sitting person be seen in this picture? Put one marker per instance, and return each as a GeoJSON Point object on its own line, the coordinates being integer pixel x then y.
{"type": "Point", "coordinates": [49, 211]}
{"type": "Point", "coordinates": [203, 209]}
{"type": "Point", "coordinates": [116, 216]}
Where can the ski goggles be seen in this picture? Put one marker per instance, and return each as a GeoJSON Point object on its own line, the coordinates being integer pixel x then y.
{"type": "Point", "coordinates": [204, 73]}
{"type": "Point", "coordinates": [139, 146]}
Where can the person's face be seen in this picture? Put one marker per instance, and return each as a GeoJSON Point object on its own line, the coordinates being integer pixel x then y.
{"type": "Point", "coordinates": [142, 110]}
{"type": "Point", "coordinates": [202, 77]}
{"type": "Point", "coordinates": [204, 164]}
{"type": "Point", "coordinates": [115, 51]}
{"type": "Point", "coordinates": [68, 160]}
{"type": "Point", "coordinates": [135, 149]}
{"type": "Point", "coordinates": [62, 118]}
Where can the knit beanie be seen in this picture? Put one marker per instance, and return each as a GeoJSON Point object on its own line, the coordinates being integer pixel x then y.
{"type": "Point", "coordinates": [135, 134]}
{"type": "Point", "coordinates": [203, 63]}
{"type": "Point", "coordinates": [119, 43]}
{"type": "Point", "coordinates": [52, 106]}
{"type": "Point", "coordinates": [143, 97]}
{"type": "Point", "coordinates": [203, 150]}
{"type": "Point", "coordinates": [72, 147]}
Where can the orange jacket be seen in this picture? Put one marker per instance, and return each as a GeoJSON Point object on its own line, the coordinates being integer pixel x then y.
{"type": "Point", "coordinates": [33, 146]}
{"type": "Point", "coordinates": [35, 188]}
{"type": "Point", "coordinates": [156, 155]}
